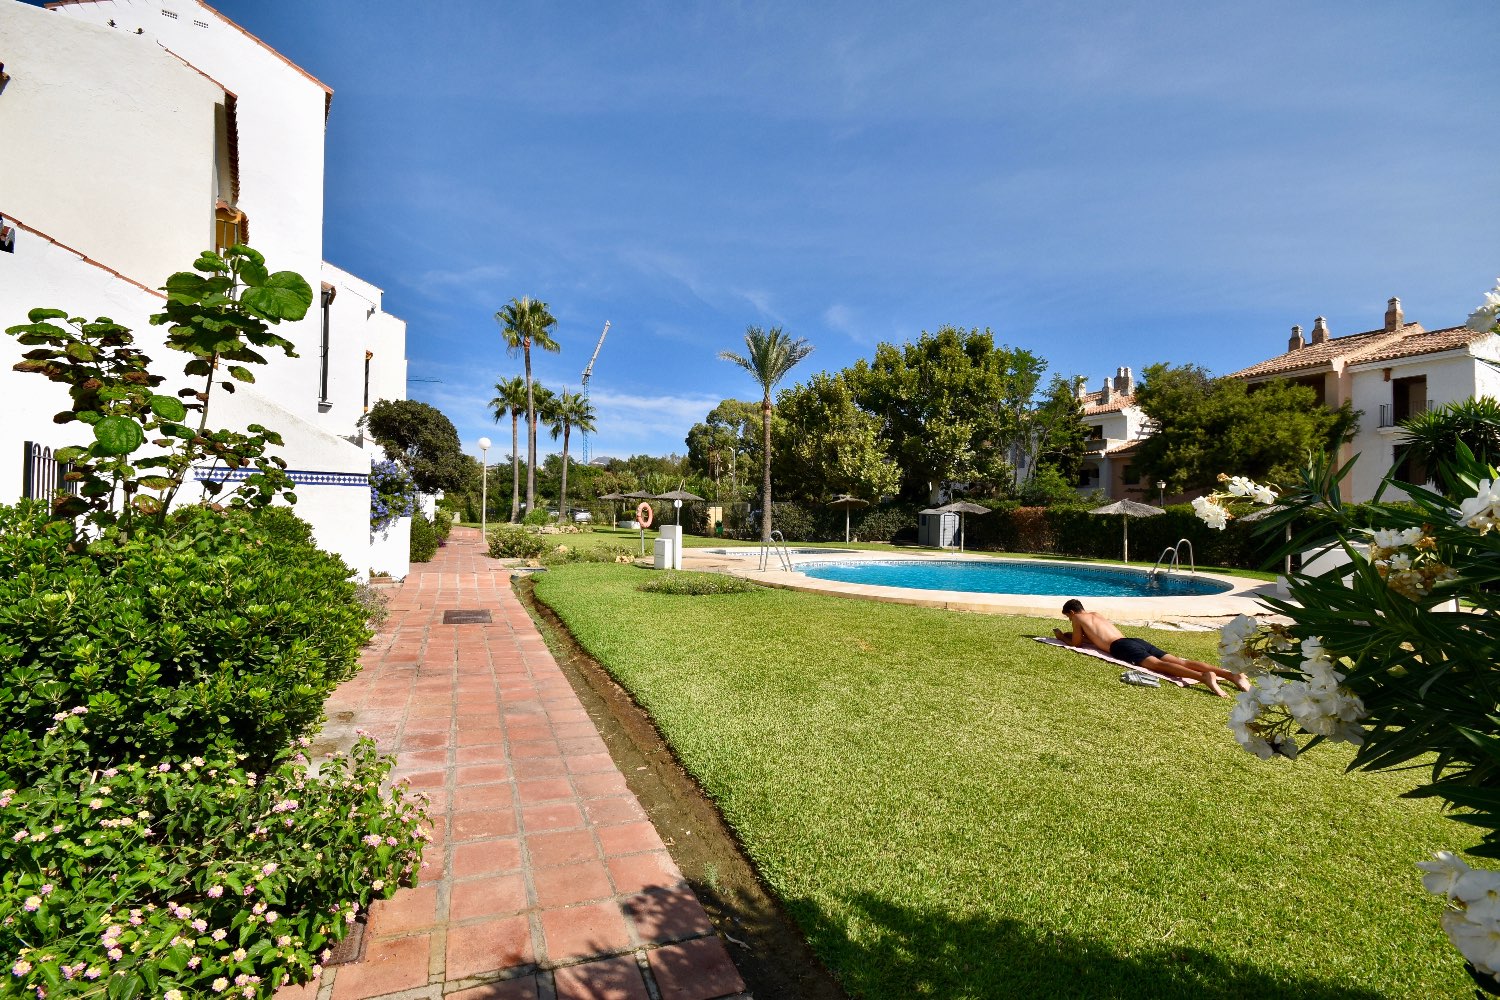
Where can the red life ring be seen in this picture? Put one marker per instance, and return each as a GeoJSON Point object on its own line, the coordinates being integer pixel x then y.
{"type": "Point", "coordinates": [643, 514]}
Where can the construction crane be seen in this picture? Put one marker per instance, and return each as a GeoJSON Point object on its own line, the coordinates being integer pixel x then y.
{"type": "Point", "coordinates": [587, 372]}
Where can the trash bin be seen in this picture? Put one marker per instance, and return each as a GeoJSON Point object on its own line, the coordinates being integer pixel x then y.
{"type": "Point", "coordinates": [661, 553]}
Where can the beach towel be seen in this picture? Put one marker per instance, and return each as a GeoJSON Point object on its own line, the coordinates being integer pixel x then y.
{"type": "Point", "coordinates": [1099, 655]}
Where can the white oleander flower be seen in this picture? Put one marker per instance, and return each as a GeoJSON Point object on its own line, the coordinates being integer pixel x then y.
{"type": "Point", "coordinates": [1210, 513]}
{"type": "Point", "coordinates": [1483, 319]}
{"type": "Point", "coordinates": [1477, 942]}
{"type": "Point", "coordinates": [1482, 510]}
{"type": "Point", "coordinates": [1442, 872]}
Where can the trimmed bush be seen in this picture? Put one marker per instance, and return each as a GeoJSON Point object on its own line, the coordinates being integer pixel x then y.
{"type": "Point", "coordinates": [696, 584]}
{"type": "Point", "coordinates": [795, 523]}
{"type": "Point", "coordinates": [424, 538]}
{"type": "Point", "coordinates": [225, 633]}
{"type": "Point", "coordinates": [513, 541]}
{"type": "Point", "coordinates": [881, 524]}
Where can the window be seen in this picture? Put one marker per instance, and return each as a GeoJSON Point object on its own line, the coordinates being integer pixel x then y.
{"type": "Point", "coordinates": [368, 356]}
{"type": "Point", "coordinates": [230, 227]}
{"type": "Point", "coordinates": [329, 294]}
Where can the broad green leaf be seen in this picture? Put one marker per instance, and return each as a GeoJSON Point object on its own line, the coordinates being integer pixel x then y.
{"type": "Point", "coordinates": [117, 436]}
{"type": "Point", "coordinates": [285, 295]}
{"type": "Point", "coordinates": [168, 408]}
{"type": "Point", "coordinates": [241, 372]}
{"type": "Point", "coordinates": [38, 315]}
{"type": "Point", "coordinates": [253, 275]}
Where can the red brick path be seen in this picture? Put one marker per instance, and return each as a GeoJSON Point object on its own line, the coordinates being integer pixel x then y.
{"type": "Point", "coordinates": [545, 880]}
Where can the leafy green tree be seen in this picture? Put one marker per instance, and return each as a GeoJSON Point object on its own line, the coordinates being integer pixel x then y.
{"type": "Point", "coordinates": [769, 356]}
{"type": "Point", "coordinates": [525, 323]}
{"type": "Point", "coordinates": [567, 411]}
{"type": "Point", "coordinates": [1201, 425]}
{"type": "Point", "coordinates": [1051, 439]}
{"type": "Point", "coordinates": [825, 444]}
{"type": "Point", "coordinates": [727, 442]}
{"type": "Point", "coordinates": [937, 400]}
{"type": "Point", "coordinates": [423, 441]}
{"type": "Point", "coordinates": [1428, 441]}
{"type": "Point", "coordinates": [510, 396]}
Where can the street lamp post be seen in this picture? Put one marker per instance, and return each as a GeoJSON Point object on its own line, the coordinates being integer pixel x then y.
{"type": "Point", "coordinates": [1161, 493]}
{"type": "Point", "coordinates": [484, 490]}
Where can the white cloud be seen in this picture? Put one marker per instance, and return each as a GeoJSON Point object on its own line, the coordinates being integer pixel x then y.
{"type": "Point", "coordinates": [477, 283]}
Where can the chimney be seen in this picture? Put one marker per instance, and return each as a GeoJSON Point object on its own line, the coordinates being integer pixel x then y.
{"type": "Point", "coordinates": [1108, 396]}
{"type": "Point", "coordinates": [1393, 318]}
{"type": "Point", "coordinates": [1080, 386]}
{"type": "Point", "coordinates": [1127, 382]}
{"type": "Point", "coordinates": [1320, 331]}
{"type": "Point", "coordinates": [1296, 343]}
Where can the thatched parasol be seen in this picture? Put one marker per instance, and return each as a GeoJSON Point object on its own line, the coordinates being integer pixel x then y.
{"type": "Point", "coordinates": [962, 507]}
{"type": "Point", "coordinates": [677, 497]}
{"type": "Point", "coordinates": [1128, 509]}
{"type": "Point", "coordinates": [847, 503]}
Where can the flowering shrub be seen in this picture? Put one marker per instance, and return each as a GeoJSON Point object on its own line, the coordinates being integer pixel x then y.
{"type": "Point", "coordinates": [1395, 652]}
{"type": "Point", "coordinates": [224, 630]}
{"type": "Point", "coordinates": [392, 495]}
{"type": "Point", "coordinates": [197, 877]}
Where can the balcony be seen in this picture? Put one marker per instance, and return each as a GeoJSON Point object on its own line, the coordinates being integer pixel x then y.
{"type": "Point", "coordinates": [1391, 416]}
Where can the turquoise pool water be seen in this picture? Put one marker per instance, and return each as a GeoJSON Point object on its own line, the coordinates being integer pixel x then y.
{"type": "Point", "coordinates": [1013, 577]}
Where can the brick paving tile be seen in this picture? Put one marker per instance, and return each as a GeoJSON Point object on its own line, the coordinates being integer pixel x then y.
{"type": "Point", "coordinates": [388, 966]}
{"type": "Point", "coordinates": [565, 885]}
{"type": "Point", "coordinates": [488, 947]}
{"type": "Point", "coordinates": [629, 838]}
{"type": "Point", "coordinates": [667, 915]}
{"type": "Point", "coordinates": [694, 970]}
{"type": "Point", "coordinates": [543, 873]}
{"type": "Point", "coordinates": [544, 790]}
{"type": "Point", "coordinates": [486, 857]}
{"type": "Point", "coordinates": [408, 910]}
{"type": "Point", "coordinates": [487, 897]}
{"type": "Point", "coordinates": [483, 825]}
{"type": "Point", "coordinates": [614, 809]}
{"type": "Point", "coordinates": [524, 988]}
{"type": "Point", "coordinates": [584, 931]}
{"type": "Point", "coordinates": [608, 979]}
{"type": "Point", "coordinates": [551, 816]}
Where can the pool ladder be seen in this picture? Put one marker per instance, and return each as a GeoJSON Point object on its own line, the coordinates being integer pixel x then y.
{"type": "Point", "coordinates": [777, 544]}
{"type": "Point", "coordinates": [1172, 556]}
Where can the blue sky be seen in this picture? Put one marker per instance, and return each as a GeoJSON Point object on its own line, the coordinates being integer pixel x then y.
{"type": "Point", "coordinates": [1105, 184]}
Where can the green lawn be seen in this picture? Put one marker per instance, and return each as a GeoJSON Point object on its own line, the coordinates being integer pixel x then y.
{"type": "Point", "coordinates": [951, 810]}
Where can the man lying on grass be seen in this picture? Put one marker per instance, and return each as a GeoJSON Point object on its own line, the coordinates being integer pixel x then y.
{"type": "Point", "coordinates": [1093, 629]}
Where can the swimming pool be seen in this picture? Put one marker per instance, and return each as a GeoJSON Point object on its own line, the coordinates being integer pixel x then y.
{"type": "Point", "coordinates": [754, 550]}
{"type": "Point", "coordinates": [1013, 577]}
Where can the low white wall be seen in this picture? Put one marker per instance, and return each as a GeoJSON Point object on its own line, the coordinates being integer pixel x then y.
{"type": "Point", "coordinates": [390, 550]}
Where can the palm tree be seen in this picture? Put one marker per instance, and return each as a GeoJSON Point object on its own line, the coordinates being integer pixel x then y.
{"type": "Point", "coordinates": [568, 411]}
{"type": "Point", "coordinates": [769, 355]}
{"type": "Point", "coordinates": [1428, 442]}
{"type": "Point", "coordinates": [510, 395]}
{"type": "Point", "coordinates": [525, 323]}
{"type": "Point", "coordinates": [544, 400]}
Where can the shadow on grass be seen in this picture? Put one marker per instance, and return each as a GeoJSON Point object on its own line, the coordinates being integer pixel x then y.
{"type": "Point", "coordinates": [914, 953]}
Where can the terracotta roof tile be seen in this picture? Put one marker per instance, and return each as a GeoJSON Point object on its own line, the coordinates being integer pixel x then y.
{"type": "Point", "coordinates": [1429, 342]}
{"type": "Point", "coordinates": [1120, 449]}
{"type": "Point", "coordinates": [1092, 406]}
{"type": "Point", "coordinates": [1351, 348]}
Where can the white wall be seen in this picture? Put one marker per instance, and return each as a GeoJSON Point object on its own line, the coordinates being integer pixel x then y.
{"type": "Point", "coordinates": [127, 181]}
{"type": "Point", "coordinates": [281, 113]}
{"type": "Point", "coordinates": [357, 324]}
{"type": "Point", "coordinates": [1451, 376]}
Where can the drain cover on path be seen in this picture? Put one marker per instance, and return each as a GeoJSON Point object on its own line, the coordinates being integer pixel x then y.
{"type": "Point", "coordinates": [466, 617]}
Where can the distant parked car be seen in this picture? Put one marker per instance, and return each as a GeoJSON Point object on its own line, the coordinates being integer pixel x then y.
{"type": "Point", "coordinates": [582, 516]}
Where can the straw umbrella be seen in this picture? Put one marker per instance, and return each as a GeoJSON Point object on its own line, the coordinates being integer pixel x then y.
{"type": "Point", "coordinates": [677, 496]}
{"type": "Point", "coordinates": [612, 497]}
{"type": "Point", "coordinates": [1128, 509]}
{"type": "Point", "coordinates": [962, 507]}
{"type": "Point", "coordinates": [848, 503]}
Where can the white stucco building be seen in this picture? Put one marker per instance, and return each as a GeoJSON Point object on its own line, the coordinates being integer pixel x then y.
{"type": "Point", "coordinates": [1388, 373]}
{"type": "Point", "coordinates": [138, 135]}
{"type": "Point", "coordinates": [1116, 427]}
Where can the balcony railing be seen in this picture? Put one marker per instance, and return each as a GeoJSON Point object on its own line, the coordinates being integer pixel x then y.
{"type": "Point", "coordinates": [1389, 417]}
{"type": "Point", "coordinates": [42, 475]}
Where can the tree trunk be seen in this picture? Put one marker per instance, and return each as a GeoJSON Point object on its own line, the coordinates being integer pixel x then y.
{"type": "Point", "coordinates": [515, 465]}
{"type": "Point", "coordinates": [765, 512]}
{"type": "Point", "coordinates": [530, 432]}
{"type": "Point", "coordinates": [562, 503]}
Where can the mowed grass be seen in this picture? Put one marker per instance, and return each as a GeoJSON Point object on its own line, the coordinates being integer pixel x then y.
{"type": "Point", "coordinates": [951, 810]}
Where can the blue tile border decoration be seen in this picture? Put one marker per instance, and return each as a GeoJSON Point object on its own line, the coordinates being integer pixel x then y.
{"type": "Point", "coordinates": [302, 477]}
